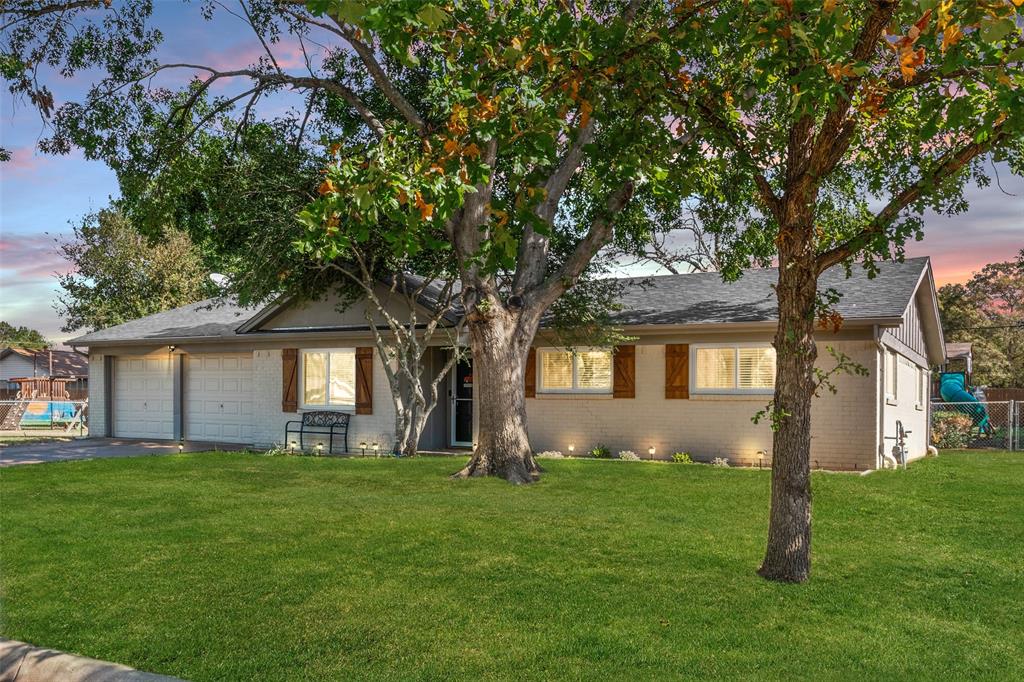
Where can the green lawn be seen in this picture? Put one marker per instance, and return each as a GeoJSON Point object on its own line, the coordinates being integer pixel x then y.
{"type": "Point", "coordinates": [241, 567]}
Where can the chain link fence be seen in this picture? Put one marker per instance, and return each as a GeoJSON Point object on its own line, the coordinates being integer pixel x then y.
{"type": "Point", "coordinates": [44, 417]}
{"type": "Point", "coordinates": [970, 425]}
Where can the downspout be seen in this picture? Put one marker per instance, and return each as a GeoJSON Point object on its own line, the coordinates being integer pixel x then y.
{"type": "Point", "coordinates": [879, 399]}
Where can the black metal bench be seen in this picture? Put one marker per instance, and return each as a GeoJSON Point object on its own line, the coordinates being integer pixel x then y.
{"type": "Point", "coordinates": [319, 423]}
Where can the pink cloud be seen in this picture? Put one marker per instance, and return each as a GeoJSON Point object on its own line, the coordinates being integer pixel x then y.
{"type": "Point", "coordinates": [24, 161]}
{"type": "Point", "coordinates": [25, 258]}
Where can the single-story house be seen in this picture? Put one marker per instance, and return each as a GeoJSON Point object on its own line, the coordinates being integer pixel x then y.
{"type": "Point", "coordinates": [700, 365]}
{"type": "Point", "coordinates": [21, 363]}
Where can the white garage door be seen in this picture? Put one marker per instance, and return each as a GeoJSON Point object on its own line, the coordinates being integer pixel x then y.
{"type": "Point", "coordinates": [218, 398]}
{"type": "Point", "coordinates": [143, 398]}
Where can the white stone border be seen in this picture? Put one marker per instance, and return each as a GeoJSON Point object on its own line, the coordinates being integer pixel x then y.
{"type": "Point", "coordinates": [20, 662]}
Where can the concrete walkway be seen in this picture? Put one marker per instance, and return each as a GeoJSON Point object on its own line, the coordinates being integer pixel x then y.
{"type": "Point", "coordinates": [94, 448]}
{"type": "Point", "coordinates": [20, 662]}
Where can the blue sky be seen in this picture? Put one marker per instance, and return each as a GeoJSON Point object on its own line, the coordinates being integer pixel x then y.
{"type": "Point", "coordinates": [41, 196]}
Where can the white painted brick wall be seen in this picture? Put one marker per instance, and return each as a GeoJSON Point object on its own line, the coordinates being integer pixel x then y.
{"type": "Point", "coordinates": [906, 410]}
{"type": "Point", "coordinates": [97, 419]}
{"type": "Point", "coordinates": [270, 420]}
{"type": "Point", "coordinates": [843, 425]}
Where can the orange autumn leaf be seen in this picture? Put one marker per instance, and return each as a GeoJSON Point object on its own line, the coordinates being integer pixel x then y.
{"type": "Point", "coordinates": [326, 187]}
{"type": "Point", "coordinates": [450, 146]}
{"type": "Point", "coordinates": [910, 60]}
{"type": "Point", "coordinates": [471, 150]}
{"type": "Point", "coordinates": [951, 35]}
{"type": "Point", "coordinates": [840, 71]}
{"type": "Point", "coordinates": [426, 210]}
{"type": "Point", "coordinates": [335, 148]}
{"type": "Point", "coordinates": [829, 6]}
{"type": "Point", "coordinates": [585, 109]}
{"type": "Point", "coordinates": [403, 198]}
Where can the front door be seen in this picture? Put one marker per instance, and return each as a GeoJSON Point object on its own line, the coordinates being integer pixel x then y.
{"type": "Point", "coordinates": [461, 393]}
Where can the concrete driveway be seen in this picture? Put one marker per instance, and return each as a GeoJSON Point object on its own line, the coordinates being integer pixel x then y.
{"type": "Point", "coordinates": [94, 448]}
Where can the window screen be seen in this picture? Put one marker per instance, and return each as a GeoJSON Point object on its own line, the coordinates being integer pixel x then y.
{"type": "Point", "coordinates": [716, 368]}
{"type": "Point", "coordinates": [556, 370]}
{"type": "Point", "coordinates": [594, 369]}
{"type": "Point", "coordinates": [314, 378]}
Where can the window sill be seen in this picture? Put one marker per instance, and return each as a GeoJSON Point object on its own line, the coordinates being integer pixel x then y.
{"type": "Point", "coordinates": [351, 409]}
{"type": "Point", "coordinates": [744, 397]}
{"type": "Point", "coordinates": [919, 407]}
{"type": "Point", "coordinates": [890, 401]}
{"type": "Point", "coordinates": [573, 396]}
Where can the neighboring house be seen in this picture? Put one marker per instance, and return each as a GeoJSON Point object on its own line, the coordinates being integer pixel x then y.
{"type": "Point", "coordinates": [19, 363]}
{"type": "Point", "coordinates": [701, 365]}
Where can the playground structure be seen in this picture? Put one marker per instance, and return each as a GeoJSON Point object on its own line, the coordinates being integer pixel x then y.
{"type": "Point", "coordinates": [42, 402]}
{"type": "Point", "coordinates": [993, 423]}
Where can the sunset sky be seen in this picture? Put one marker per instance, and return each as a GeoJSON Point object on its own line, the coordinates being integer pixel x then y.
{"type": "Point", "coordinates": [41, 196]}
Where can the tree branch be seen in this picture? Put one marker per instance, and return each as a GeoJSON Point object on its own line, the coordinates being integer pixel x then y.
{"type": "Point", "coordinates": [600, 232]}
{"type": "Point", "coordinates": [381, 78]}
{"type": "Point", "coordinates": [948, 165]}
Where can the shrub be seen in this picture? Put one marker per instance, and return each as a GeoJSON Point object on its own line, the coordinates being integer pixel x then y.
{"type": "Point", "coordinates": [628, 456]}
{"type": "Point", "coordinates": [550, 454]}
{"type": "Point", "coordinates": [720, 462]}
{"type": "Point", "coordinates": [600, 451]}
{"type": "Point", "coordinates": [951, 430]}
{"type": "Point", "coordinates": [682, 458]}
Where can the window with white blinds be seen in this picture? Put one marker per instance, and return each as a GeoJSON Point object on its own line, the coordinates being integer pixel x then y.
{"type": "Point", "coordinates": [733, 369]}
{"type": "Point", "coordinates": [555, 370]}
{"type": "Point", "coordinates": [584, 371]}
{"type": "Point", "coordinates": [329, 378]}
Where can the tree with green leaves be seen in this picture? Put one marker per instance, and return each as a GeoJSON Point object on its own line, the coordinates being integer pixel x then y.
{"type": "Point", "coordinates": [988, 311]}
{"type": "Point", "coordinates": [843, 121]}
{"type": "Point", "coordinates": [21, 337]}
{"type": "Point", "coordinates": [519, 138]}
{"type": "Point", "coordinates": [120, 275]}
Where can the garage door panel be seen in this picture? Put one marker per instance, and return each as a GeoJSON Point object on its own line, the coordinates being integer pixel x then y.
{"type": "Point", "coordinates": [143, 398]}
{"type": "Point", "coordinates": [219, 398]}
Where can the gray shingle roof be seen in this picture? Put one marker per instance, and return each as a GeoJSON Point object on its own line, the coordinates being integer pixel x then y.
{"type": "Point", "coordinates": [703, 298]}
{"type": "Point", "coordinates": [215, 317]}
{"type": "Point", "coordinates": [65, 363]}
{"type": "Point", "coordinates": [697, 298]}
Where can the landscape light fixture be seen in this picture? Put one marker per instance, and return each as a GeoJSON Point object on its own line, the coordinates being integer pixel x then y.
{"type": "Point", "coordinates": [376, 449]}
{"type": "Point", "coordinates": [651, 451]}
{"type": "Point", "coordinates": [362, 446]}
{"type": "Point", "coordinates": [319, 448]}
{"type": "Point", "coordinates": [572, 448]}
{"type": "Point", "coordinates": [181, 448]}
{"type": "Point", "coordinates": [291, 447]}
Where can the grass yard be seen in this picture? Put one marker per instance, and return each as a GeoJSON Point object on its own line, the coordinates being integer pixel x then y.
{"type": "Point", "coordinates": [241, 567]}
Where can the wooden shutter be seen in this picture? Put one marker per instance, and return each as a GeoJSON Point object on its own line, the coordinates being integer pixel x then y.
{"type": "Point", "coordinates": [624, 373]}
{"type": "Point", "coordinates": [289, 379]}
{"type": "Point", "coordinates": [531, 373]}
{"type": "Point", "coordinates": [677, 371]}
{"type": "Point", "coordinates": [364, 380]}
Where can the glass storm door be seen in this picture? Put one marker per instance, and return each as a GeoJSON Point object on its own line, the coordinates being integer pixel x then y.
{"type": "Point", "coordinates": [461, 393]}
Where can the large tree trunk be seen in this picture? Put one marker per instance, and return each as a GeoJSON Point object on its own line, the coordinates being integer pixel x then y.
{"type": "Point", "coordinates": [500, 343]}
{"type": "Point", "coordinates": [788, 556]}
